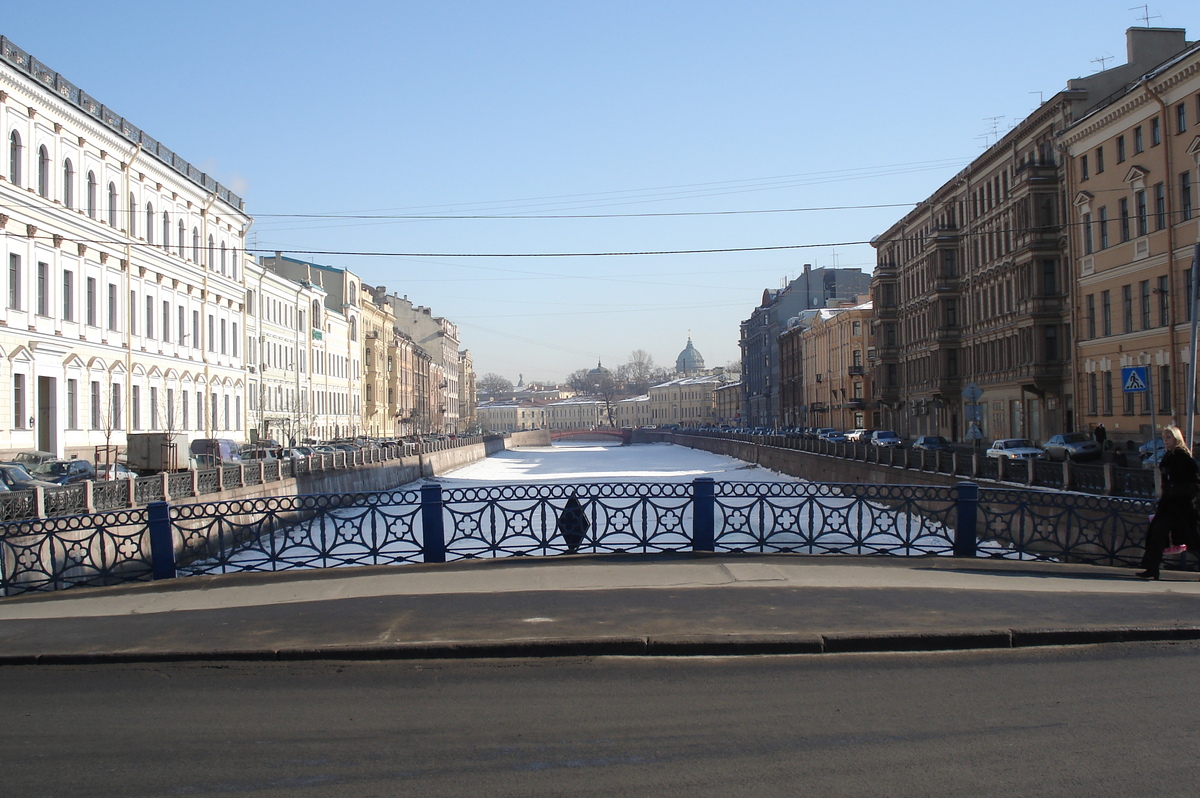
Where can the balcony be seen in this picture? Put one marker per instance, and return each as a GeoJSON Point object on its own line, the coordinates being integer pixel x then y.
{"type": "Point", "coordinates": [855, 371]}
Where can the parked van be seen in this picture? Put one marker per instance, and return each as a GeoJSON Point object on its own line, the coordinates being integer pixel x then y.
{"type": "Point", "coordinates": [208, 452]}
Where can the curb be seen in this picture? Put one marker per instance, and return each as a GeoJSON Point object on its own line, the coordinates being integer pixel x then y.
{"type": "Point", "coordinates": [633, 646]}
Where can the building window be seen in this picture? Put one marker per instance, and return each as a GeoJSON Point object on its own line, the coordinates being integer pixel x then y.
{"type": "Point", "coordinates": [91, 194]}
{"type": "Point", "coordinates": [183, 407]}
{"type": "Point", "coordinates": [1120, 149]}
{"type": "Point", "coordinates": [72, 404]}
{"type": "Point", "coordinates": [135, 406]}
{"type": "Point", "coordinates": [43, 289]}
{"type": "Point", "coordinates": [222, 336]}
{"type": "Point", "coordinates": [1087, 234]}
{"type": "Point", "coordinates": [43, 186]}
{"type": "Point", "coordinates": [132, 217]}
{"type": "Point", "coordinates": [112, 307]}
{"type": "Point", "coordinates": [112, 204]}
{"type": "Point", "coordinates": [1127, 306]}
{"type": "Point", "coordinates": [1049, 278]}
{"type": "Point", "coordinates": [1144, 285]}
{"type": "Point", "coordinates": [1108, 393]}
{"type": "Point", "coordinates": [1129, 403]}
{"type": "Point", "coordinates": [117, 421]}
{"type": "Point", "coordinates": [68, 191]}
{"type": "Point", "coordinates": [95, 405]}
{"type": "Point", "coordinates": [1163, 303]}
{"type": "Point", "coordinates": [1051, 338]}
{"type": "Point", "coordinates": [1137, 140]}
{"type": "Point", "coordinates": [1155, 132]}
{"type": "Point", "coordinates": [149, 316]}
{"type": "Point", "coordinates": [1093, 395]}
{"type": "Point", "coordinates": [1164, 392]}
{"type": "Point", "coordinates": [14, 281]}
{"type": "Point", "coordinates": [1090, 304]}
{"type": "Point", "coordinates": [68, 297]}
{"type": "Point", "coordinates": [14, 158]}
{"type": "Point", "coordinates": [18, 401]}
{"type": "Point", "coordinates": [1160, 206]}
{"type": "Point", "coordinates": [1084, 174]}
{"type": "Point", "coordinates": [180, 330]}
{"type": "Point", "coordinates": [233, 341]}
{"type": "Point", "coordinates": [180, 237]}
{"type": "Point", "coordinates": [91, 302]}
{"type": "Point", "coordinates": [1105, 313]}
{"type": "Point", "coordinates": [212, 326]}
{"type": "Point", "coordinates": [1099, 160]}
{"type": "Point", "coordinates": [166, 321]}
{"type": "Point", "coordinates": [132, 313]}
{"type": "Point", "coordinates": [1143, 217]}
{"type": "Point", "coordinates": [153, 407]}
{"type": "Point", "coordinates": [195, 245]}
{"type": "Point", "coordinates": [1181, 118]}
{"type": "Point", "coordinates": [166, 227]}
{"type": "Point", "coordinates": [1185, 195]}
{"type": "Point", "coordinates": [195, 329]}
{"type": "Point", "coordinates": [1103, 228]}
{"type": "Point", "coordinates": [1123, 211]}
{"type": "Point", "coordinates": [212, 253]}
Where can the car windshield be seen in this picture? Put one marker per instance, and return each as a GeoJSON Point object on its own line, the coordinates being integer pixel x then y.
{"type": "Point", "coordinates": [1019, 444]}
{"type": "Point", "coordinates": [1075, 437]}
{"type": "Point", "coordinates": [16, 472]}
{"type": "Point", "coordinates": [886, 435]}
{"type": "Point", "coordinates": [935, 439]}
{"type": "Point", "coordinates": [51, 469]}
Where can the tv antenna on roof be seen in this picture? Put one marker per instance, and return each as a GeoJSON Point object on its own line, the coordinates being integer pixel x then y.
{"type": "Point", "coordinates": [1145, 14]}
{"type": "Point", "coordinates": [1102, 61]}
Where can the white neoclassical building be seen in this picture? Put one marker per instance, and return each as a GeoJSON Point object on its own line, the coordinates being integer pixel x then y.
{"type": "Point", "coordinates": [124, 276]}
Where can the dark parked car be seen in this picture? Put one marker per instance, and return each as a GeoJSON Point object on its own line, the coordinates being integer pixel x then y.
{"type": "Point", "coordinates": [15, 477]}
{"type": "Point", "coordinates": [932, 443]}
{"type": "Point", "coordinates": [64, 472]}
{"type": "Point", "coordinates": [1073, 445]}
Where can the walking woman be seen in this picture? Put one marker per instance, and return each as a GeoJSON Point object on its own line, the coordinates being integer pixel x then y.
{"type": "Point", "coordinates": [1175, 518]}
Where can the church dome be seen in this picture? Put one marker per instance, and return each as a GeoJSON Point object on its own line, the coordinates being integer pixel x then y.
{"type": "Point", "coordinates": [689, 360]}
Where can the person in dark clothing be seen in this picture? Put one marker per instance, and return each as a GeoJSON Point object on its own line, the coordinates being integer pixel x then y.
{"type": "Point", "coordinates": [1175, 518]}
{"type": "Point", "coordinates": [1101, 435]}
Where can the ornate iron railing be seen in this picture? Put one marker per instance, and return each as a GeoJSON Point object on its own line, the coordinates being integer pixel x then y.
{"type": "Point", "coordinates": [434, 525]}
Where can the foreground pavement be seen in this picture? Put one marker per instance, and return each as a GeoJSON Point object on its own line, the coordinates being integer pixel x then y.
{"type": "Point", "coordinates": [602, 605]}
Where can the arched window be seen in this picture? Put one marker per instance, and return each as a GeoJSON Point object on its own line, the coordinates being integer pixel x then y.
{"type": "Point", "coordinates": [353, 294]}
{"type": "Point", "coordinates": [166, 223]}
{"type": "Point", "coordinates": [353, 329]}
{"type": "Point", "coordinates": [195, 245]}
{"type": "Point", "coordinates": [91, 194]}
{"type": "Point", "coordinates": [132, 217]}
{"type": "Point", "coordinates": [68, 192]}
{"type": "Point", "coordinates": [182, 235]}
{"type": "Point", "coordinates": [316, 314]}
{"type": "Point", "coordinates": [222, 257]}
{"type": "Point", "coordinates": [233, 262]}
{"type": "Point", "coordinates": [149, 223]}
{"type": "Point", "coordinates": [43, 171]}
{"type": "Point", "coordinates": [112, 204]}
{"type": "Point", "coordinates": [14, 158]}
{"type": "Point", "coordinates": [212, 253]}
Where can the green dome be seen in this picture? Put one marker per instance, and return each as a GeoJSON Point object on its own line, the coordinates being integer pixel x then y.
{"type": "Point", "coordinates": [689, 360]}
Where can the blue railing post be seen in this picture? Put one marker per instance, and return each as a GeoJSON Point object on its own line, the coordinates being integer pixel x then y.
{"type": "Point", "coordinates": [704, 506]}
{"type": "Point", "coordinates": [432, 524]}
{"type": "Point", "coordinates": [967, 504]}
{"type": "Point", "coordinates": [162, 542]}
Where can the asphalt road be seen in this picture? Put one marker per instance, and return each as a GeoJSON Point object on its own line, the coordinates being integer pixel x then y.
{"type": "Point", "coordinates": [1113, 720]}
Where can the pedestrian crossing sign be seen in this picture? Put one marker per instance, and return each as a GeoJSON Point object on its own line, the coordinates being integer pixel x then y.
{"type": "Point", "coordinates": [1134, 379]}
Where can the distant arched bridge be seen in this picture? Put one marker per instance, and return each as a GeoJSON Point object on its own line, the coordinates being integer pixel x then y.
{"type": "Point", "coordinates": [594, 434]}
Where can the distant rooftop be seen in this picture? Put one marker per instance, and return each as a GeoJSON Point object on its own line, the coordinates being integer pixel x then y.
{"type": "Point", "coordinates": [55, 83]}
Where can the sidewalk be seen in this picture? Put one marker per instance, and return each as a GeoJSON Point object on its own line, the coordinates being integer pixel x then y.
{"type": "Point", "coordinates": [602, 604]}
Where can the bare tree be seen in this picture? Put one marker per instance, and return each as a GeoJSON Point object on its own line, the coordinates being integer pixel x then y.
{"type": "Point", "coordinates": [493, 384]}
{"type": "Point", "coordinates": [580, 381]}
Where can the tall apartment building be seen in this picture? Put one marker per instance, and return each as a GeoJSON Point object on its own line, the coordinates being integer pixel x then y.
{"type": "Point", "coordinates": [125, 301]}
{"type": "Point", "coordinates": [1133, 171]}
{"type": "Point", "coordinates": [759, 335]}
{"type": "Point", "coordinates": [973, 285]}
{"type": "Point", "coordinates": [825, 379]}
{"type": "Point", "coordinates": [438, 338]}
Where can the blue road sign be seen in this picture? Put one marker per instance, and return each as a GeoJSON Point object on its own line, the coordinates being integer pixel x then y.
{"type": "Point", "coordinates": [1133, 379]}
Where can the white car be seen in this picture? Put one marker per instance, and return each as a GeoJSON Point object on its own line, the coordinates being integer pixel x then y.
{"type": "Point", "coordinates": [856, 435]}
{"type": "Point", "coordinates": [886, 438]}
{"type": "Point", "coordinates": [1015, 449]}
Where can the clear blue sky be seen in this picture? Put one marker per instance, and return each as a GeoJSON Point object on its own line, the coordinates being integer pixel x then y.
{"type": "Point", "coordinates": [557, 108]}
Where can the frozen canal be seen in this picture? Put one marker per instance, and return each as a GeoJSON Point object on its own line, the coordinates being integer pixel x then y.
{"type": "Point", "coordinates": [599, 462]}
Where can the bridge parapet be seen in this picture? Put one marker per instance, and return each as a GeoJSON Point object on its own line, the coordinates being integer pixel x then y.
{"type": "Point", "coordinates": [594, 433]}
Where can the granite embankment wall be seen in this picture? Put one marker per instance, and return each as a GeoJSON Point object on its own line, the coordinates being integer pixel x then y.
{"type": "Point", "coordinates": [805, 465]}
{"type": "Point", "coordinates": [379, 476]}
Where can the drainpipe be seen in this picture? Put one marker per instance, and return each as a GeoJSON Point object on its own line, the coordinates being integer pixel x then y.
{"type": "Point", "coordinates": [127, 410]}
{"type": "Point", "coordinates": [210, 425]}
{"type": "Point", "coordinates": [1170, 174]}
{"type": "Point", "coordinates": [1071, 282]}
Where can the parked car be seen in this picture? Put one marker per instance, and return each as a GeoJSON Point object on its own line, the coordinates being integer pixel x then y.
{"type": "Point", "coordinates": [1015, 449]}
{"type": "Point", "coordinates": [1152, 460]}
{"type": "Point", "coordinates": [834, 436]}
{"type": "Point", "coordinates": [886, 438]}
{"type": "Point", "coordinates": [859, 435]}
{"type": "Point", "coordinates": [208, 452]}
{"type": "Point", "coordinates": [932, 443]}
{"type": "Point", "coordinates": [65, 472]}
{"type": "Point", "coordinates": [1151, 448]}
{"type": "Point", "coordinates": [823, 431]}
{"type": "Point", "coordinates": [15, 477]}
{"type": "Point", "coordinates": [115, 471]}
{"type": "Point", "coordinates": [258, 453]}
{"type": "Point", "coordinates": [31, 460]}
{"type": "Point", "coordinates": [1073, 446]}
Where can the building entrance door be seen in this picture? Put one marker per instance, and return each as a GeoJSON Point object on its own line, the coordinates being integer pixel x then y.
{"type": "Point", "coordinates": [47, 414]}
